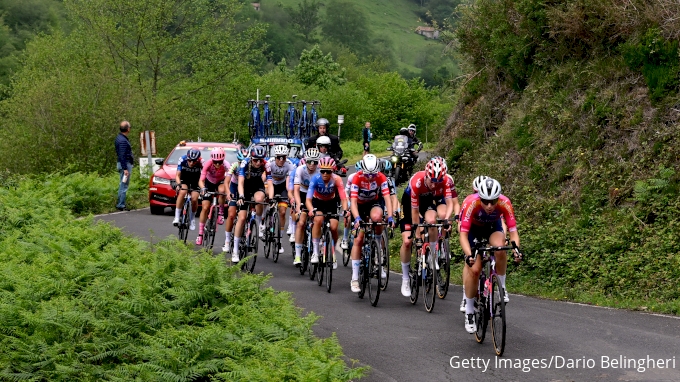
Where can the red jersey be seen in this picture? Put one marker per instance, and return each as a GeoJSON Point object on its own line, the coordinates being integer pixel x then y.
{"type": "Point", "coordinates": [472, 213]}
{"type": "Point", "coordinates": [365, 190]}
{"type": "Point", "coordinates": [418, 189]}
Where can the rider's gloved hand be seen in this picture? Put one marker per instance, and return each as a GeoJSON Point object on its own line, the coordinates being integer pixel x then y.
{"type": "Point", "coordinates": [356, 222]}
{"type": "Point", "coordinates": [203, 191]}
{"type": "Point", "coordinates": [240, 200]}
{"type": "Point", "coordinates": [174, 185]}
{"type": "Point", "coordinates": [469, 260]}
{"type": "Point", "coordinates": [390, 221]}
{"type": "Point", "coordinates": [518, 255]}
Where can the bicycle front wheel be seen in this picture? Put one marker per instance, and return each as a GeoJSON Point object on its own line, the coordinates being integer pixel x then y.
{"type": "Point", "coordinates": [385, 259]}
{"type": "Point", "coordinates": [267, 236]}
{"type": "Point", "coordinates": [414, 276]}
{"type": "Point", "coordinates": [209, 230]}
{"type": "Point", "coordinates": [429, 276]}
{"type": "Point", "coordinates": [329, 257]}
{"type": "Point", "coordinates": [375, 273]}
{"type": "Point", "coordinates": [184, 223]}
{"type": "Point", "coordinates": [320, 268]}
{"type": "Point", "coordinates": [251, 247]}
{"type": "Point", "coordinates": [497, 315]}
{"type": "Point", "coordinates": [444, 272]}
{"type": "Point", "coordinates": [275, 235]}
{"type": "Point", "coordinates": [481, 312]}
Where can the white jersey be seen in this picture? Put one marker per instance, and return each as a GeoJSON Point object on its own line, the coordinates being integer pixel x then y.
{"type": "Point", "coordinates": [349, 184]}
{"type": "Point", "coordinates": [303, 176]}
{"type": "Point", "coordinates": [279, 174]}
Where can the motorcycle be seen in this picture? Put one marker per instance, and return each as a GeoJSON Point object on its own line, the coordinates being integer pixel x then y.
{"type": "Point", "coordinates": [402, 159]}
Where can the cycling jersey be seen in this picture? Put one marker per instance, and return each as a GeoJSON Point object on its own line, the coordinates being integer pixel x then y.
{"type": "Point", "coordinates": [252, 172]}
{"type": "Point", "coordinates": [417, 189]}
{"type": "Point", "coordinates": [366, 189]}
{"type": "Point", "coordinates": [326, 191]}
{"type": "Point", "coordinates": [451, 185]}
{"type": "Point", "coordinates": [214, 174]}
{"type": "Point", "coordinates": [303, 177]}
{"type": "Point", "coordinates": [233, 171]}
{"type": "Point", "coordinates": [473, 213]}
{"type": "Point", "coordinates": [279, 174]}
{"type": "Point", "coordinates": [348, 186]}
{"type": "Point", "coordinates": [187, 174]}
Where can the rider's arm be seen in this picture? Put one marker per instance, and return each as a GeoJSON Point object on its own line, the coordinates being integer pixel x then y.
{"type": "Point", "coordinates": [465, 244]}
{"type": "Point", "coordinates": [308, 202]}
{"type": "Point", "coordinates": [354, 207]}
{"type": "Point", "coordinates": [340, 189]}
{"type": "Point", "coordinates": [296, 196]}
{"type": "Point", "coordinates": [241, 190]}
{"type": "Point", "coordinates": [514, 236]}
{"type": "Point", "coordinates": [385, 190]}
{"type": "Point", "coordinates": [310, 193]}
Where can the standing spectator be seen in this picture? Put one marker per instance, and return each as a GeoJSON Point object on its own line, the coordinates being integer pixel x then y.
{"type": "Point", "coordinates": [124, 164]}
{"type": "Point", "coordinates": [366, 133]}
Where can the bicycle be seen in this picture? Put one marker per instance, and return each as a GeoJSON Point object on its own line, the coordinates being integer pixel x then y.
{"type": "Point", "coordinates": [346, 253]}
{"type": "Point", "coordinates": [313, 116]}
{"type": "Point", "coordinates": [326, 253]}
{"type": "Point", "coordinates": [387, 235]}
{"type": "Point", "coordinates": [247, 247]}
{"type": "Point", "coordinates": [444, 260]}
{"type": "Point", "coordinates": [255, 124]}
{"type": "Point", "coordinates": [272, 235]}
{"type": "Point", "coordinates": [303, 121]}
{"type": "Point", "coordinates": [267, 122]}
{"type": "Point", "coordinates": [210, 229]}
{"type": "Point", "coordinates": [423, 271]}
{"type": "Point", "coordinates": [370, 269]}
{"type": "Point", "coordinates": [490, 302]}
{"type": "Point", "coordinates": [185, 217]}
{"type": "Point", "coordinates": [290, 118]}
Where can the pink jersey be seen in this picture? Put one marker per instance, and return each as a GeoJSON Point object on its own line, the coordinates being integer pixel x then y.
{"type": "Point", "coordinates": [418, 189]}
{"type": "Point", "coordinates": [365, 190]}
{"type": "Point", "coordinates": [214, 174]}
{"type": "Point", "coordinates": [472, 213]}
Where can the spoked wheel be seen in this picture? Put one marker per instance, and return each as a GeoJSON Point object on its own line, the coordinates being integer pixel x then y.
{"type": "Point", "coordinates": [363, 276]}
{"type": "Point", "coordinates": [414, 277]}
{"type": "Point", "coordinates": [375, 273]}
{"type": "Point", "coordinates": [209, 230]}
{"type": "Point", "coordinates": [429, 276]}
{"type": "Point", "coordinates": [397, 170]}
{"type": "Point", "coordinates": [385, 259]}
{"type": "Point", "coordinates": [242, 251]}
{"type": "Point", "coordinates": [251, 247]}
{"type": "Point", "coordinates": [481, 314]}
{"type": "Point", "coordinates": [184, 224]}
{"type": "Point", "coordinates": [304, 258]}
{"type": "Point", "coordinates": [330, 256]}
{"type": "Point", "coordinates": [347, 252]}
{"type": "Point", "coordinates": [321, 264]}
{"type": "Point", "coordinates": [267, 237]}
{"type": "Point", "coordinates": [311, 271]}
{"type": "Point", "coordinates": [275, 235]}
{"type": "Point", "coordinates": [444, 260]}
{"type": "Point", "coordinates": [498, 315]}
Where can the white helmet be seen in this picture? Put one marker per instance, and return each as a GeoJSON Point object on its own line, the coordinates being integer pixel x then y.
{"type": "Point", "coordinates": [280, 150]}
{"type": "Point", "coordinates": [312, 154]}
{"type": "Point", "coordinates": [323, 140]}
{"type": "Point", "coordinates": [370, 164]}
{"type": "Point", "coordinates": [489, 189]}
{"type": "Point", "coordinates": [478, 180]}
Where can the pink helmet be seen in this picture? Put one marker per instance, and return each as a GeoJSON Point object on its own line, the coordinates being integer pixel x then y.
{"type": "Point", "coordinates": [327, 163]}
{"type": "Point", "coordinates": [217, 154]}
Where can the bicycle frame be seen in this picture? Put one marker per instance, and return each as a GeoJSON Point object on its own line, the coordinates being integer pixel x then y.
{"type": "Point", "coordinates": [210, 229]}
{"type": "Point", "coordinates": [367, 259]}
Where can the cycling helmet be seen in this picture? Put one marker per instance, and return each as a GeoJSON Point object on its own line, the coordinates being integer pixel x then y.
{"type": "Point", "coordinates": [217, 154]}
{"type": "Point", "coordinates": [478, 180]}
{"type": "Point", "coordinates": [193, 154]}
{"type": "Point", "coordinates": [322, 121]}
{"type": "Point", "coordinates": [323, 140]}
{"type": "Point", "coordinates": [412, 127]}
{"type": "Point", "coordinates": [241, 154]}
{"type": "Point", "coordinates": [386, 165]}
{"type": "Point", "coordinates": [489, 189]}
{"type": "Point", "coordinates": [369, 165]}
{"type": "Point", "coordinates": [327, 164]}
{"type": "Point", "coordinates": [358, 166]}
{"type": "Point", "coordinates": [280, 150]}
{"type": "Point", "coordinates": [312, 154]}
{"type": "Point", "coordinates": [436, 169]}
{"type": "Point", "coordinates": [258, 152]}
{"type": "Point", "coordinates": [403, 131]}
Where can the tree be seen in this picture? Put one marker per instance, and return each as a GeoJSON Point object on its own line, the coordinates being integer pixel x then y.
{"type": "Point", "coordinates": [305, 18]}
{"type": "Point", "coordinates": [317, 69]}
{"type": "Point", "coordinates": [346, 24]}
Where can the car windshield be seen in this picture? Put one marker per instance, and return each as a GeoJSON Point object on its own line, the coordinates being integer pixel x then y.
{"type": "Point", "coordinates": [176, 154]}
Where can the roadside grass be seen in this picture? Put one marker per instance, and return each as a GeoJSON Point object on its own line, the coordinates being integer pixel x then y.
{"type": "Point", "coordinates": [82, 301]}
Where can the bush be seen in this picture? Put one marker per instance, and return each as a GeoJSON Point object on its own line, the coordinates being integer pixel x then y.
{"type": "Point", "coordinates": [81, 301]}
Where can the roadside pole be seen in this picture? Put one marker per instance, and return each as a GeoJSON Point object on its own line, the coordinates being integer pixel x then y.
{"type": "Point", "coordinates": [341, 120]}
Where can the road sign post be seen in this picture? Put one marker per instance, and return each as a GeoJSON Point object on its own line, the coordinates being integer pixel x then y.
{"type": "Point", "coordinates": [341, 120]}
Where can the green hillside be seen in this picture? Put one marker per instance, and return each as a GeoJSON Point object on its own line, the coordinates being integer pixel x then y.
{"type": "Point", "coordinates": [397, 21]}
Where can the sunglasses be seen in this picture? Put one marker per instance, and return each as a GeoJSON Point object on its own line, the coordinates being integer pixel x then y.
{"type": "Point", "coordinates": [370, 176]}
{"type": "Point", "coordinates": [218, 162]}
{"type": "Point", "coordinates": [489, 202]}
{"type": "Point", "coordinates": [312, 162]}
{"type": "Point", "coordinates": [435, 180]}
{"type": "Point", "coordinates": [281, 157]}
{"type": "Point", "coordinates": [326, 171]}
{"type": "Point", "coordinates": [192, 160]}
{"type": "Point", "coordinates": [256, 160]}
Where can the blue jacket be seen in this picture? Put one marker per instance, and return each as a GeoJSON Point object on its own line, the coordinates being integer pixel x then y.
{"type": "Point", "coordinates": [124, 150]}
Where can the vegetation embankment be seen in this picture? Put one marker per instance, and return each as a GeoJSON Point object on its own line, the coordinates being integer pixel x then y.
{"type": "Point", "coordinates": [571, 105]}
{"type": "Point", "coordinates": [81, 301]}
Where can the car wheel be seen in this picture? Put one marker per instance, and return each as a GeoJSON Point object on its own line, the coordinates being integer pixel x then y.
{"type": "Point", "coordinates": [157, 210]}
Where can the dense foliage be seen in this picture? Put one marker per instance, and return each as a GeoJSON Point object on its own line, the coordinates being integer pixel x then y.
{"type": "Point", "coordinates": [81, 301]}
{"type": "Point", "coordinates": [570, 104]}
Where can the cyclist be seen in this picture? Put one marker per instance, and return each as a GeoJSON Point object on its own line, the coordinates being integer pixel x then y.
{"type": "Point", "coordinates": [325, 188]}
{"type": "Point", "coordinates": [367, 204]}
{"type": "Point", "coordinates": [232, 179]}
{"type": "Point", "coordinates": [188, 174]}
{"type": "Point", "coordinates": [281, 167]}
{"type": "Point", "coordinates": [303, 176]}
{"type": "Point", "coordinates": [413, 141]}
{"type": "Point", "coordinates": [430, 197]}
{"type": "Point", "coordinates": [481, 218]}
{"type": "Point", "coordinates": [335, 151]}
{"type": "Point", "coordinates": [292, 223]}
{"type": "Point", "coordinates": [475, 187]}
{"type": "Point", "coordinates": [212, 180]}
{"type": "Point", "coordinates": [253, 172]}
{"type": "Point", "coordinates": [324, 144]}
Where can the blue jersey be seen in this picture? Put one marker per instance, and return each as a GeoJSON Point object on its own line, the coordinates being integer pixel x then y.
{"type": "Point", "coordinates": [251, 172]}
{"type": "Point", "coordinates": [187, 174]}
{"type": "Point", "coordinates": [326, 191]}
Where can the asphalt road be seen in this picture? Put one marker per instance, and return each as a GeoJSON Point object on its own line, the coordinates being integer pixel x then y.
{"type": "Point", "coordinates": [546, 340]}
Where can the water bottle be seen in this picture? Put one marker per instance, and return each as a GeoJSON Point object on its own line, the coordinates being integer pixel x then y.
{"type": "Point", "coordinates": [487, 287]}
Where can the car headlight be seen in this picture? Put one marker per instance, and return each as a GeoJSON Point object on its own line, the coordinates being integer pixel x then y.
{"type": "Point", "coordinates": [159, 180]}
{"type": "Point", "coordinates": [394, 159]}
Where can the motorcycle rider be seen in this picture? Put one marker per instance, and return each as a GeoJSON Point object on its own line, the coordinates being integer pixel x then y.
{"type": "Point", "coordinates": [413, 141]}
{"type": "Point", "coordinates": [334, 149]}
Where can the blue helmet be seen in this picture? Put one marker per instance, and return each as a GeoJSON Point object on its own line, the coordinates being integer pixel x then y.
{"type": "Point", "coordinates": [193, 154]}
{"type": "Point", "coordinates": [258, 152]}
{"type": "Point", "coordinates": [386, 165]}
{"type": "Point", "coordinates": [358, 165]}
{"type": "Point", "coordinates": [241, 154]}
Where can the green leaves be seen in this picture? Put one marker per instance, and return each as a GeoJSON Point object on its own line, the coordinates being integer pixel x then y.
{"type": "Point", "coordinates": [317, 69]}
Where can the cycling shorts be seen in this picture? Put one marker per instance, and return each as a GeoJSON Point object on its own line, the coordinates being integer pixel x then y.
{"type": "Point", "coordinates": [249, 196]}
{"type": "Point", "coordinates": [280, 189]}
{"type": "Point", "coordinates": [365, 208]}
{"type": "Point", "coordinates": [480, 232]}
{"type": "Point", "coordinates": [212, 187]}
{"type": "Point", "coordinates": [325, 206]}
{"type": "Point", "coordinates": [425, 204]}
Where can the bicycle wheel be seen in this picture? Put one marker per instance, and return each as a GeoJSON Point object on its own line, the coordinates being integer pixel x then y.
{"type": "Point", "coordinates": [414, 276]}
{"type": "Point", "coordinates": [251, 247]}
{"type": "Point", "coordinates": [444, 259]}
{"type": "Point", "coordinates": [363, 273]}
{"type": "Point", "coordinates": [497, 301]}
{"type": "Point", "coordinates": [375, 273]}
{"type": "Point", "coordinates": [184, 223]}
{"type": "Point", "coordinates": [346, 253]}
{"type": "Point", "coordinates": [275, 235]}
{"type": "Point", "coordinates": [209, 229]}
{"type": "Point", "coordinates": [481, 312]}
{"type": "Point", "coordinates": [322, 261]}
{"type": "Point", "coordinates": [397, 170]}
{"type": "Point", "coordinates": [330, 255]}
{"type": "Point", "coordinates": [429, 279]}
{"type": "Point", "coordinates": [267, 241]}
{"type": "Point", "coordinates": [385, 259]}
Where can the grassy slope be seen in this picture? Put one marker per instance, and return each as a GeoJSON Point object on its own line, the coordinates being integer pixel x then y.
{"type": "Point", "coordinates": [397, 20]}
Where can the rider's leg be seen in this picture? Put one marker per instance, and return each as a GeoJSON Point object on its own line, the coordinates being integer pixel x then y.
{"type": "Point", "coordinates": [282, 218]}
{"type": "Point", "coordinates": [316, 232]}
{"type": "Point", "coordinates": [229, 225]}
{"type": "Point", "coordinates": [300, 233]}
{"type": "Point", "coordinates": [497, 239]}
{"type": "Point", "coordinates": [194, 204]}
{"type": "Point", "coordinates": [238, 229]}
{"type": "Point", "coordinates": [259, 197]}
{"type": "Point", "coordinates": [431, 218]}
{"type": "Point", "coordinates": [356, 254]}
{"type": "Point", "coordinates": [334, 230]}
{"type": "Point", "coordinates": [405, 253]}
{"type": "Point", "coordinates": [377, 217]}
{"type": "Point", "coordinates": [204, 216]}
{"type": "Point", "coordinates": [180, 200]}
{"type": "Point", "coordinates": [221, 189]}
